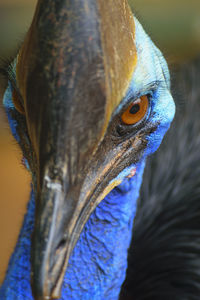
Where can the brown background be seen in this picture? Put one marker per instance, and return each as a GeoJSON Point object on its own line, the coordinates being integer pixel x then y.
{"type": "Point", "coordinates": [173, 24]}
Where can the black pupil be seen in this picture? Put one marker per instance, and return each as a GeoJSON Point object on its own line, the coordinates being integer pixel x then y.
{"type": "Point", "coordinates": [134, 109]}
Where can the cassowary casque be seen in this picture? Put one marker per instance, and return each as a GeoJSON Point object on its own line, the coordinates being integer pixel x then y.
{"type": "Point", "coordinates": [88, 99]}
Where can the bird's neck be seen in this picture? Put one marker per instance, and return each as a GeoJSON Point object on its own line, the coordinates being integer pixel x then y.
{"type": "Point", "coordinates": [97, 266]}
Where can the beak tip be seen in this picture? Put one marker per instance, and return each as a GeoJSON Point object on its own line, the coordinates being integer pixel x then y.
{"type": "Point", "coordinates": [44, 289]}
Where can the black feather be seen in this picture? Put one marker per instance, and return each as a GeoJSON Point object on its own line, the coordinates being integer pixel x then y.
{"type": "Point", "coordinates": [164, 257]}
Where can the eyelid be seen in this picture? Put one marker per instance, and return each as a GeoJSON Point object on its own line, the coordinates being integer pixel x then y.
{"type": "Point", "coordinates": [149, 90]}
{"type": "Point", "coordinates": [135, 99]}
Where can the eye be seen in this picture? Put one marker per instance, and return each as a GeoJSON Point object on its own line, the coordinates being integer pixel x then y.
{"type": "Point", "coordinates": [136, 111]}
{"type": "Point", "coordinates": [17, 102]}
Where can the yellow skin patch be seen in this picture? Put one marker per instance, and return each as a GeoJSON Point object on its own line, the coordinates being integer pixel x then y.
{"type": "Point", "coordinates": [131, 173]}
{"type": "Point", "coordinates": [109, 188]}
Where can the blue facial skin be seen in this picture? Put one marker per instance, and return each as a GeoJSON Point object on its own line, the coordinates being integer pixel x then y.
{"type": "Point", "coordinates": [97, 266]}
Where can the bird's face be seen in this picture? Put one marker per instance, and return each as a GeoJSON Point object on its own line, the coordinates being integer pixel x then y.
{"type": "Point", "coordinates": [90, 99]}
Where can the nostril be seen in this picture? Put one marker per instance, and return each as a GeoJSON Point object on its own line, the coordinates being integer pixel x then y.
{"type": "Point", "coordinates": [61, 244]}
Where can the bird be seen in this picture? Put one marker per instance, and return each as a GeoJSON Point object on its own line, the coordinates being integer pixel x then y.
{"type": "Point", "coordinates": [88, 99]}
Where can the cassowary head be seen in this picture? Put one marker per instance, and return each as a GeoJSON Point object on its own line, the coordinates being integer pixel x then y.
{"type": "Point", "coordinates": [88, 99]}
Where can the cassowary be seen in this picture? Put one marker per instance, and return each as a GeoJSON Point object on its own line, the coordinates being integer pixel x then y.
{"type": "Point", "coordinates": [88, 99]}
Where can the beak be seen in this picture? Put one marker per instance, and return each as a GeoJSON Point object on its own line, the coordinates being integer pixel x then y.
{"type": "Point", "coordinates": [65, 73]}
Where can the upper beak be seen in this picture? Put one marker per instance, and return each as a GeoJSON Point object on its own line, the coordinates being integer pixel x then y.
{"type": "Point", "coordinates": [67, 108]}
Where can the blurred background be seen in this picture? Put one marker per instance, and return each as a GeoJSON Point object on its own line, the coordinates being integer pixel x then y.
{"type": "Point", "coordinates": [174, 26]}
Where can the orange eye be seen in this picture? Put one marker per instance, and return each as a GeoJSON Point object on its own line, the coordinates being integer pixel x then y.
{"type": "Point", "coordinates": [136, 111]}
{"type": "Point", "coordinates": [16, 102]}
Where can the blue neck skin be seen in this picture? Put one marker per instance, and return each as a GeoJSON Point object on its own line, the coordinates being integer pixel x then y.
{"type": "Point", "coordinates": [98, 262]}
